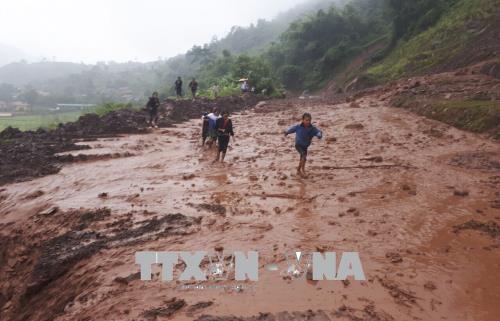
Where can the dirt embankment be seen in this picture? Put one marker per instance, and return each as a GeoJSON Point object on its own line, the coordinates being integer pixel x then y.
{"type": "Point", "coordinates": [468, 98]}
{"type": "Point", "coordinates": [30, 154]}
{"type": "Point", "coordinates": [462, 91]}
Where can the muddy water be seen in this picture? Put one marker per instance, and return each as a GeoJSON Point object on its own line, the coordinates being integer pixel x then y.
{"type": "Point", "coordinates": [380, 183]}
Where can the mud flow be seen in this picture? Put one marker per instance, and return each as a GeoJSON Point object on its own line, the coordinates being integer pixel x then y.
{"type": "Point", "coordinates": [418, 199]}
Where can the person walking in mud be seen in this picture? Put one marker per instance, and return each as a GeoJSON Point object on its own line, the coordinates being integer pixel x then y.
{"type": "Point", "coordinates": [193, 85]}
{"type": "Point", "coordinates": [152, 107]}
{"type": "Point", "coordinates": [204, 128]}
{"type": "Point", "coordinates": [178, 88]}
{"type": "Point", "coordinates": [304, 133]}
{"type": "Point", "coordinates": [212, 121]}
{"type": "Point", "coordinates": [224, 129]}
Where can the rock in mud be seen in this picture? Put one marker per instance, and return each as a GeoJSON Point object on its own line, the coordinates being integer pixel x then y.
{"type": "Point", "coordinates": [103, 195]}
{"type": "Point", "coordinates": [429, 285]}
{"type": "Point", "coordinates": [490, 228]}
{"type": "Point", "coordinates": [495, 203]}
{"type": "Point", "coordinates": [262, 226]}
{"type": "Point", "coordinates": [477, 160]}
{"type": "Point", "coordinates": [187, 177]}
{"type": "Point", "coordinates": [214, 208]}
{"type": "Point", "coordinates": [369, 313]}
{"type": "Point", "coordinates": [461, 193]}
{"type": "Point", "coordinates": [353, 211]}
{"type": "Point", "coordinates": [394, 257]}
{"type": "Point", "coordinates": [199, 306]}
{"type": "Point", "coordinates": [172, 307]}
{"type": "Point", "coordinates": [309, 315]}
{"type": "Point", "coordinates": [126, 280]}
{"type": "Point", "coordinates": [49, 211]}
{"type": "Point", "coordinates": [375, 159]}
{"type": "Point", "coordinates": [403, 297]}
{"type": "Point", "coordinates": [356, 126]}
{"type": "Point", "coordinates": [35, 194]}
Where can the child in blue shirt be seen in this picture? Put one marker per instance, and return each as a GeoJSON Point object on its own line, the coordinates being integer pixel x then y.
{"type": "Point", "coordinates": [304, 133]}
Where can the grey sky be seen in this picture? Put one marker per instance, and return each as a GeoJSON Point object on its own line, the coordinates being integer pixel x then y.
{"type": "Point", "coordinates": [122, 30]}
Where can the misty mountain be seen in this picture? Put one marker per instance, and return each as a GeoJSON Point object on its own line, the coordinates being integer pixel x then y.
{"type": "Point", "coordinates": [40, 73]}
{"type": "Point", "coordinates": [10, 54]}
{"type": "Point", "coordinates": [22, 73]}
{"type": "Point", "coordinates": [257, 37]}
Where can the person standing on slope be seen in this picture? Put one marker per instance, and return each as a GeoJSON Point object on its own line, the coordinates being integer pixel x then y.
{"type": "Point", "coordinates": [304, 133]}
{"type": "Point", "coordinates": [152, 107]}
{"type": "Point", "coordinates": [178, 87]}
{"type": "Point", "coordinates": [193, 85]}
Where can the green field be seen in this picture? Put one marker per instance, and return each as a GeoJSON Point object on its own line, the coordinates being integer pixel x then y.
{"type": "Point", "coordinates": [51, 120]}
{"type": "Point", "coordinates": [28, 122]}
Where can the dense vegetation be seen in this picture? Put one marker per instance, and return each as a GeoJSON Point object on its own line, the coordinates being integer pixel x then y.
{"type": "Point", "coordinates": [432, 37]}
{"type": "Point", "coordinates": [412, 17]}
{"type": "Point", "coordinates": [312, 49]}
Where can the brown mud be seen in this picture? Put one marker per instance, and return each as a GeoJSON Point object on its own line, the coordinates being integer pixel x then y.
{"type": "Point", "coordinates": [30, 154]}
{"type": "Point", "coordinates": [382, 182]}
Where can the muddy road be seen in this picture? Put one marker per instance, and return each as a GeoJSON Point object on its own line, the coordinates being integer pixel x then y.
{"type": "Point", "coordinates": [419, 201]}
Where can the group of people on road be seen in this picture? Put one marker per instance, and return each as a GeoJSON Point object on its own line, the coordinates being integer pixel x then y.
{"type": "Point", "coordinates": [217, 130]}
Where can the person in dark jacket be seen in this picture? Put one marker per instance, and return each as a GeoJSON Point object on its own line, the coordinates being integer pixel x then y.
{"type": "Point", "coordinates": [193, 85]}
{"type": "Point", "coordinates": [152, 107]}
{"type": "Point", "coordinates": [224, 130]}
{"type": "Point", "coordinates": [178, 87]}
{"type": "Point", "coordinates": [304, 133]}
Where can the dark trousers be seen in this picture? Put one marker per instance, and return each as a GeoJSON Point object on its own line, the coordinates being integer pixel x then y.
{"type": "Point", "coordinates": [223, 143]}
{"type": "Point", "coordinates": [153, 115]}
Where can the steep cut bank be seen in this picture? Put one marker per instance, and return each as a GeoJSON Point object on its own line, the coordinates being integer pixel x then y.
{"type": "Point", "coordinates": [449, 72]}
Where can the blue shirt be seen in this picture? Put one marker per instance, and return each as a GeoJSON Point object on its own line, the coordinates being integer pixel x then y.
{"type": "Point", "coordinates": [211, 120]}
{"type": "Point", "coordinates": [304, 135]}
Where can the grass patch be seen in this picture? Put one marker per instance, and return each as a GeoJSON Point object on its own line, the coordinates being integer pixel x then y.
{"type": "Point", "coordinates": [472, 115]}
{"type": "Point", "coordinates": [32, 122]}
{"type": "Point", "coordinates": [106, 108]}
{"type": "Point", "coordinates": [51, 120]}
{"type": "Point", "coordinates": [437, 44]}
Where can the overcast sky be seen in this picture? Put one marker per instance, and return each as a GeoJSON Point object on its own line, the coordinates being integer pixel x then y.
{"type": "Point", "coordinates": [123, 30]}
